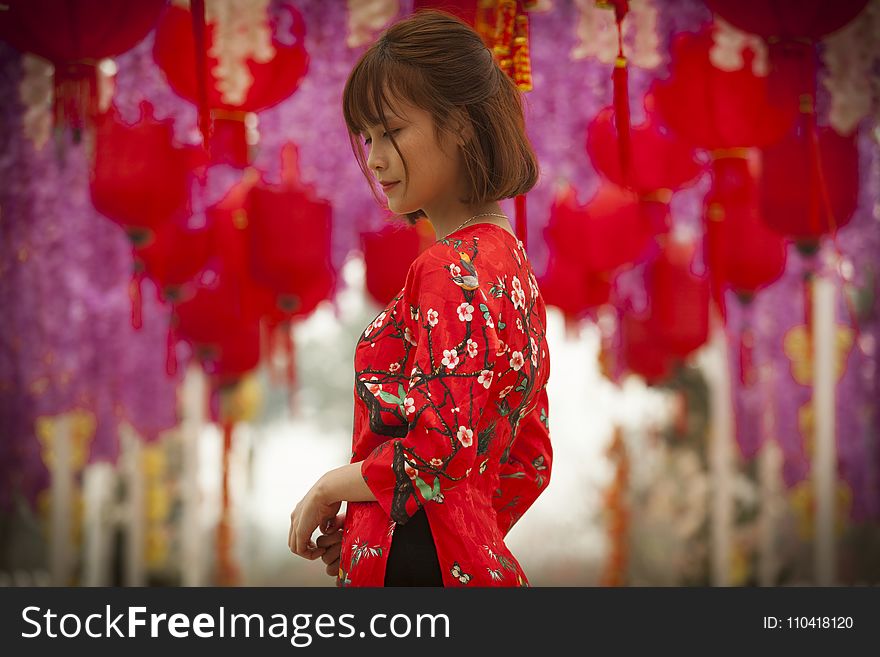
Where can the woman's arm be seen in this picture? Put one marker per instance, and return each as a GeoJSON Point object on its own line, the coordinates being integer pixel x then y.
{"type": "Point", "coordinates": [321, 504]}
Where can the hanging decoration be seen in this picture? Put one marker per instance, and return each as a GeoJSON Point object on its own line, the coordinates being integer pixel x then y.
{"type": "Point", "coordinates": [617, 513]}
{"type": "Point", "coordinates": [289, 232]}
{"type": "Point", "coordinates": [388, 255]}
{"type": "Point", "coordinates": [661, 163]}
{"type": "Point", "coordinates": [140, 180]}
{"type": "Point", "coordinates": [74, 37]}
{"type": "Point", "coordinates": [255, 58]}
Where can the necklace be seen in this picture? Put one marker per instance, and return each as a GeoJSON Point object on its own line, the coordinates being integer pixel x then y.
{"type": "Point", "coordinates": [482, 214]}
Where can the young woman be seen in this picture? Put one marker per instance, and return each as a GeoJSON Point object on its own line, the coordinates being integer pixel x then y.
{"type": "Point", "coordinates": [451, 436]}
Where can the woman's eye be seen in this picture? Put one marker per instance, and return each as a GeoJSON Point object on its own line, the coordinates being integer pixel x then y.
{"type": "Point", "coordinates": [384, 134]}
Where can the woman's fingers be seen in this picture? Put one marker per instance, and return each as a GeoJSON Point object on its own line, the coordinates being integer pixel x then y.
{"type": "Point", "coordinates": [333, 568]}
{"type": "Point", "coordinates": [327, 540]}
{"type": "Point", "coordinates": [299, 538]}
{"type": "Point", "coordinates": [331, 554]}
{"type": "Point", "coordinates": [334, 524]}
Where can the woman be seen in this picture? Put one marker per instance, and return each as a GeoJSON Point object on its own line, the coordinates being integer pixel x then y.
{"type": "Point", "coordinates": [451, 436]}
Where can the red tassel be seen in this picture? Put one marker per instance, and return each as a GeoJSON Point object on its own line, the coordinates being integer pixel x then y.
{"type": "Point", "coordinates": [290, 348]}
{"type": "Point", "coordinates": [621, 115]}
{"type": "Point", "coordinates": [227, 571]}
{"type": "Point", "coordinates": [197, 8]}
{"type": "Point", "coordinates": [171, 348]}
{"type": "Point", "coordinates": [134, 293]}
{"type": "Point", "coordinates": [521, 224]}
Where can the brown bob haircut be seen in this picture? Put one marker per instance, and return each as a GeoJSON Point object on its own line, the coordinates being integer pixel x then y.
{"type": "Point", "coordinates": [437, 62]}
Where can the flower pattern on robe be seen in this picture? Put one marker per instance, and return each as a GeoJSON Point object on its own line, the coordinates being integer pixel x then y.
{"type": "Point", "coordinates": [459, 427]}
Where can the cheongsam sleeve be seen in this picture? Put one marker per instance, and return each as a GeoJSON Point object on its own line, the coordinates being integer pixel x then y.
{"type": "Point", "coordinates": [526, 473]}
{"type": "Point", "coordinates": [451, 370]}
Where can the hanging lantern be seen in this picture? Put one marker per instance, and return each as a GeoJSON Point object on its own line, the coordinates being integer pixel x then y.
{"type": "Point", "coordinates": [573, 289]}
{"type": "Point", "coordinates": [741, 252]}
{"type": "Point", "coordinates": [660, 160]}
{"type": "Point", "coordinates": [139, 178]}
{"type": "Point", "coordinates": [794, 181]}
{"type": "Point", "coordinates": [606, 233]}
{"type": "Point", "coordinates": [254, 57]}
{"type": "Point", "coordinates": [174, 256]}
{"type": "Point", "coordinates": [788, 19]}
{"type": "Point", "coordinates": [642, 353]}
{"type": "Point", "coordinates": [679, 298]}
{"type": "Point", "coordinates": [388, 254]}
{"type": "Point", "coordinates": [289, 233]}
{"type": "Point", "coordinates": [716, 109]}
{"type": "Point", "coordinates": [75, 35]}
{"type": "Point", "coordinates": [233, 355]}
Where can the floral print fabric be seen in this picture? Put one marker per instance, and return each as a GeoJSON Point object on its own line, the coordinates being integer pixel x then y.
{"type": "Point", "coordinates": [451, 411]}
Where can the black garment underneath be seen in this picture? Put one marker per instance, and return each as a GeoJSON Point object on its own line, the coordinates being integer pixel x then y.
{"type": "Point", "coordinates": [412, 559]}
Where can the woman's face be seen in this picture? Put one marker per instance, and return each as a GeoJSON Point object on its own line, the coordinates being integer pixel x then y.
{"type": "Point", "coordinates": [435, 181]}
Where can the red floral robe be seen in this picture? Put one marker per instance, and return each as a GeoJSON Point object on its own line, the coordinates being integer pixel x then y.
{"type": "Point", "coordinates": [451, 410]}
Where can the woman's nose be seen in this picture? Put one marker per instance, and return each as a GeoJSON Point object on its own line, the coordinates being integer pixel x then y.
{"type": "Point", "coordinates": [376, 161]}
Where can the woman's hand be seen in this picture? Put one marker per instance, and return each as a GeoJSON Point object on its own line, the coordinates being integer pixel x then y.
{"type": "Point", "coordinates": [331, 541]}
{"type": "Point", "coordinates": [316, 509]}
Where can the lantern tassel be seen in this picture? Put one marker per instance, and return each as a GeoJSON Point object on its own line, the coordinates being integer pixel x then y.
{"type": "Point", "coordinates": [825, 199]}
{"type": "Point", "coordinates": [134, 293]}
{"type": "Point", "coordinates": [171, 348]}
{"type": "Point", "coordinates": [227, 572]}
{"type": "Point", "coordinates": [197, 8]}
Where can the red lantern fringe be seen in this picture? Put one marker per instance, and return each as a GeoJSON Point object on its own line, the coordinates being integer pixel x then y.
{"type": "Point", "coordinates": [197, 9]}
{"type": "Point", "coordinates": [227, 570]}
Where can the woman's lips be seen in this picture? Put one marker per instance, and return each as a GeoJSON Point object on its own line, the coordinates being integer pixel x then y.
{"type": "Point", "coordinates": [386, 187]}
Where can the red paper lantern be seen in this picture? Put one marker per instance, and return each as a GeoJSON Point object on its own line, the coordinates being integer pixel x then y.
{"type": "Point", "coordinates": [74, 35]}
{"type": "Point", "coordinates": [174, 256]}
{"type": "Point", "coordinates": [660, 161]}
{"type": "Point", "coordinates": [742, 252]}
{"type": "Point", "coordinates": [289, 233]}
{"type": "Point", "coordinates": [679, 298]}
{"type": "Point", "coordinates": [274, 70]}
{"type": "Point", "coordinates": [788, 19]}
{"type": "Point", "coordinates": [606, 233]}
{"type": "Point", "coordinates": [642, 352]}
{"type": "Point", "coordinates": [388, 255]}
{"type": "Point", "coordinates": [715, 109]}
{"type": "Point", "coordinates": [139, 179]}
{"type": "Point", "coordinates": [794, 181]}
{"type": "Point", "coordinates": [236, 353]}
{"type": "Point", "coordinates": [568, 286]}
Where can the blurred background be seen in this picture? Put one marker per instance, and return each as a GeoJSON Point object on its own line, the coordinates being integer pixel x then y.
{"type": "Point", "coordinates": [189, 252]}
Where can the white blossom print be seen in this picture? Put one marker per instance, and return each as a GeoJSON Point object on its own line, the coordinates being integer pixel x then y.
{"type": "Point", "coordinates": [505, 392]}
{"type": "Point", "coordinates": [408, 336]}
{"type": "Point", "coordinates": [472, 348]}
{"type": "Point", "coordinates": [450, 358]}
{"type": "Point", "coordinates": [465, 312]}
{"type": "Point", "coordinates": [516, 361]}
{"type": "Point", "coordinates": [394, 367]}
{"type": "Point", "coordinates": [409, 405]}
{"type": "Point", "coordinates": [465, 436]}
{"type": "Point", "coordinates": [485, 378]}
{"type": "Point", "coordinates": [433, 316]}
